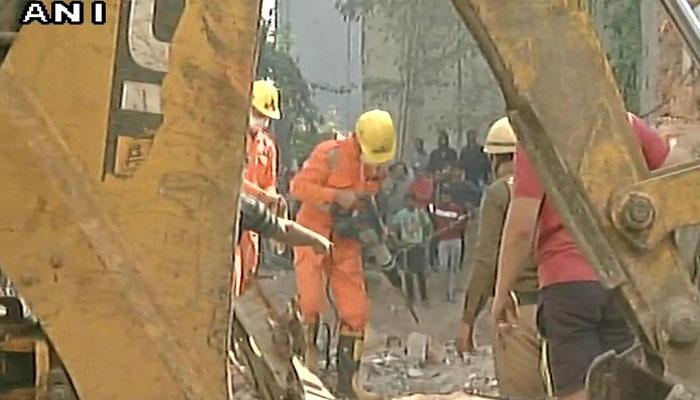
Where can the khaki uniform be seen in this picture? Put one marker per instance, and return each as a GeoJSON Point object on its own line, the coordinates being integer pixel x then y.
{"type": "Point", "coordinates": [517, 351]}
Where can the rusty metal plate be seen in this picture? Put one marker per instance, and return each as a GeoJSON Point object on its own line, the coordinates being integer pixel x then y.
{"type": "Point", "coordinates": [128, 272]}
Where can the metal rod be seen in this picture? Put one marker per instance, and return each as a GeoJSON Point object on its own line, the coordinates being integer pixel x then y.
{"type": "Point", "coordinates": [6, 38]}
{"type": "Point", "coordinates": [687, 22]}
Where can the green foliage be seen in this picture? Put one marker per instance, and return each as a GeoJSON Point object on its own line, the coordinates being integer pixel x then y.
{"type": "Point", "coordinates": [295, 92]}
{"type": "Point", "coordinates": [626, 26]}
{"type": "Point", "coordinates": [401, 19]}
{"type": "Point", "coordinates": [620, 26]}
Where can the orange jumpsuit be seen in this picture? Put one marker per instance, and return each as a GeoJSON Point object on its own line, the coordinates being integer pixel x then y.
{"type": "Point", "coordinates": [261, 172]}
{"type": "Point", "coordinates": [332, 165]}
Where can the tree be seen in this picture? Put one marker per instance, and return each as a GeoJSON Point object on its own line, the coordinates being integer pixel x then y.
{"type": "Point", "coordinates": [402, 30]}
{"type": "Point", "coordinates": [620, 27]}
{"type": "Point", "coordinates": [434, 51]}
{"type": "Point", "coordinates": [301, 117]}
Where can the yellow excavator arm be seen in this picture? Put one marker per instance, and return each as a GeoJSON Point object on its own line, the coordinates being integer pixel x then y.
{"type": "Point", "coordinates": [121, 153]}
{"type": "Point", "coordinates": [563, 101]}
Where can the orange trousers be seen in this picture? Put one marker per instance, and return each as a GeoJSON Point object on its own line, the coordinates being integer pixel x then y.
{"type": "Point", "coordinates": [346, 279]}
{"type": "Point", "coordinates": [246, 259]}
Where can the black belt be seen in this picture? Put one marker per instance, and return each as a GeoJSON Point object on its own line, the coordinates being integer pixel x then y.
{"type": "Point", "coordinates": [527, 298]}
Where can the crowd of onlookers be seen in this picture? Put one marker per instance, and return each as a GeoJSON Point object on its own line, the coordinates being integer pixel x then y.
{"type": "Point", "coordinates": [427, 202]}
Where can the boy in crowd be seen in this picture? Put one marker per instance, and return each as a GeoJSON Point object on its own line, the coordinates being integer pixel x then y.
{"type": "Point", "coordinates": [465, 193]}
{"type": "Point", "coordinates": [394, 189]}
{"type": "Point", "coordinates": [411, 228]}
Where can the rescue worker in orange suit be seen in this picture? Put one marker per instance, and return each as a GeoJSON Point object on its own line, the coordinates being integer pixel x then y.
{"type": "Point", "coordinates": [334, 176]}
{"type": "Point", "coordinates": [259, 175]}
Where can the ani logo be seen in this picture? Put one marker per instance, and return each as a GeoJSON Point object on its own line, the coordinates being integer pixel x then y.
{"type": "Point", "coordinates": [64, 12]}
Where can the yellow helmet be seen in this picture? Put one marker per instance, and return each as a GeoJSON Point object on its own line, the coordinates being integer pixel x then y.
{"type": "Point", "coordinates": [376, 135]}
{"type": "Point", "coordinates": [266, 99]}
{"type": "Point", "coordinates": [501, 139]}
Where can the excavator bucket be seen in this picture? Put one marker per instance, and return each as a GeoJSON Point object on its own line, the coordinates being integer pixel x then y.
{"type": "Point", "coordinates": [570, 118]}
{"type": "Point", "coordinates": [121, 148]}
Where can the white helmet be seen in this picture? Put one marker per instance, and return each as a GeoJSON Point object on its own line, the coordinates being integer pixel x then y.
{"type": "Point", "coordinates": [501, 139]}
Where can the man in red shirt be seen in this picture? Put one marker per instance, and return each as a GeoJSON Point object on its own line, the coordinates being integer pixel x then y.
{"type": "Point", "coordinates": [450, 221]}
{"type": "Point", "coordinates": [579, 318]}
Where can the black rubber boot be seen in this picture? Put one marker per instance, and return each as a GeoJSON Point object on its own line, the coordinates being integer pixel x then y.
{"type": "Point", "coordinates": [349, 387]}
{"type": "Point", "coordinates": [311, 349]}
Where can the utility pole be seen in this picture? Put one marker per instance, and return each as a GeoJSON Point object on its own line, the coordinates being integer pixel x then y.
{"type": "Point", "coordinates": [410, 43]}
{"type": "Point", "coordinates": [460, 98]}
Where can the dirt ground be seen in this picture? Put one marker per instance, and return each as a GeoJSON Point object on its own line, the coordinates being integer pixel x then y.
{"type": "Point", "coordinates": [388, 368]}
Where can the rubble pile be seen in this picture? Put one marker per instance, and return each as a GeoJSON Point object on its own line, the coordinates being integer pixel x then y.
{"type": "Point", "coordinates": [423, 365]}
{"type": "Point", "coordinates": [435, 369]}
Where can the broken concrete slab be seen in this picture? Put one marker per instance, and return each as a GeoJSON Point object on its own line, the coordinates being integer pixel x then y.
{"type": "Point", "coordinates": [417, 346]}
{"type": "Point", "coordinates": [437, 353]}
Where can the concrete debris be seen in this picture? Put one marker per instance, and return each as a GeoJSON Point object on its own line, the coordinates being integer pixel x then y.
{"type": "Point", "coordinates": [415, 373]}
{"type": "Point", "coordinates": [373, 338]}
{"type": "Point", "coordinates": [424, 365]}
{"type": "Point", "coordinates": [394, 373]}
{"type": "Point", "coordinates": [437, 354]}
{"type": "Point", "coordinates": [417, 346]}
{"type": "Point", "coordinates": [393, 342]}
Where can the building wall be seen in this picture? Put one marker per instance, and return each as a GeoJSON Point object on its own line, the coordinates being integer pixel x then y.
{"type": "Point", "coordinates": [424, 48]}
